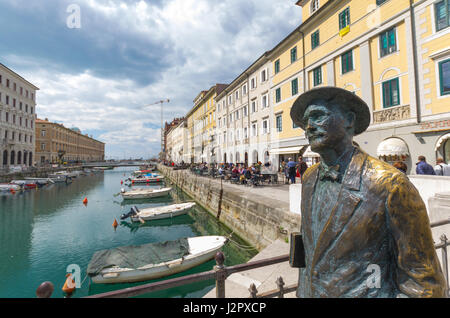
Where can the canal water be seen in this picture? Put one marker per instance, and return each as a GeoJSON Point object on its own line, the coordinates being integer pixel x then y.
{"type": "Point", "coordinates": [44, 231]}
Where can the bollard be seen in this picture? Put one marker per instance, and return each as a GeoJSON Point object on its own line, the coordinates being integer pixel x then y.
{"type": "Point", "coordinates": [221, 275]}
{"type": "Point", "coordinates": [45, 290]}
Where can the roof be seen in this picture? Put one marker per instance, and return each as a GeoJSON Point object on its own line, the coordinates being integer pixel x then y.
{"type": "Point", "coordinates": [10, 70]}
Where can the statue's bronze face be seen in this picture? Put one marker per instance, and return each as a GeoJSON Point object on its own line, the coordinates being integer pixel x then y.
{"type": "Point", "coordinates": [325, 127]}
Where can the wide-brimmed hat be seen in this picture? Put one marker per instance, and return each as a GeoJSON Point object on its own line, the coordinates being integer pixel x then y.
{"type": "Point", "coordinates": [334, 95]}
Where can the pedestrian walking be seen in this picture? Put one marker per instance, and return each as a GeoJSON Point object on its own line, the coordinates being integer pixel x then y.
{"type": "Point", "coordinates": [441, 168]}
{"type": "Point", "coordinates": [292, 165]}
{"type": "Point", "coordinates": [423, 167]}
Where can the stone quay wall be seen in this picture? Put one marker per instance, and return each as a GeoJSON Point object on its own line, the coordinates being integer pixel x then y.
{"type": "Point", "coordinates": [256, 219]}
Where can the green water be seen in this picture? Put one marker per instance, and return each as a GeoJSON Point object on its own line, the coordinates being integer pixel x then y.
{"type": "Point", "coordinates": [43, 231]}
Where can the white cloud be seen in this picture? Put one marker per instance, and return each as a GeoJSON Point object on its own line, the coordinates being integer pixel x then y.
{"type": "Point", "coordinates": [201, 42]}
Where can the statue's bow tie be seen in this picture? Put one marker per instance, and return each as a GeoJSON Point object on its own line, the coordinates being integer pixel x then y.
{"type": "Point", "coordinates": [332, 173]}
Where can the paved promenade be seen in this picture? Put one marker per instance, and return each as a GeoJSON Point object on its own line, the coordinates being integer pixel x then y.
{"type": "Point", "coordinates": [237, 285]}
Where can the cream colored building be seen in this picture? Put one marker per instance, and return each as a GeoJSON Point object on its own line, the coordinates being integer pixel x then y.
{"type": "Point", "coordinates": [17, 119]}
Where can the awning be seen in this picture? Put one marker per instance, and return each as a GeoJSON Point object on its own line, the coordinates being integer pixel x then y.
{"type": "Point", "coordinates": [392, 147]}
{"type": "Point", "coordinates": [285, 151]}
{"type": "Point", "coordinates": [310, 154]}
{"type": "Point", "coordinates": [441, 140]}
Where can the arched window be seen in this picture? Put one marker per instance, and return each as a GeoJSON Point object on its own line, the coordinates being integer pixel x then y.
{"type": "Point", "coordinates": [5, 157]}
{"type": "Point", "coordinates": [25, 158]}
{"type": "Point", "coordinates": [13, 157]}
{"type": "Point", "coordinates": [30, 159]}
{"type": "Point", "coordinates": [19, 158]}
{"type": "Point", "coordinates": [447, 151]}
{"type": "Point", "coordinates": [238, 159]}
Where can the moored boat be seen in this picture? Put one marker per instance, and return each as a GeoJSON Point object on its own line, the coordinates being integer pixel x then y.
{"type": "Point", "coordinates": [147, 178]}
{"type": "Point", "coordinates": [161, 212]}
{"type": "Point", "coordinates": [144, 193]}
{"type": "Point", "coordinates": [9, 187]}
{"type": "Point", "coordinates": [25, 184]}
{"type": "Point", "coordinates": [154, 260]}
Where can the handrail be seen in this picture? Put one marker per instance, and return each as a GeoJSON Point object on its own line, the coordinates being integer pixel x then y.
{"type": "Point", "coordinates": [220, 274]}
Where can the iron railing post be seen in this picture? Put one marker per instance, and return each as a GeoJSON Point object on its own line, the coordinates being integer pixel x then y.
{"type": "Point", "coordinates": [280, 284]}
{"type": "Point", "coordinates": [444, 258]}
{"type": "Point", "coordinates": [221, 275]}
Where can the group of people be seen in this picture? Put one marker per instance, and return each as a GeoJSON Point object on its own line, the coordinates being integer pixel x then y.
{"type": "Point", "coordinates": [424, 168]}
{"type": "Point", "coordinates": [293, 169]}
{"type": "Point", "coordinates": [244, 174]}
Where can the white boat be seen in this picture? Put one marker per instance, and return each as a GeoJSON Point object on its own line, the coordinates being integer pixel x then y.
{"type": "Point", "coordinates": [144, 193]}
{"type": "Point", "coordinates": [161, 212]}
{"type": "Point", "coordinates": [41, 180]}
{"type": "Point", "coordinates": [200, 250]}
{"type": "Point", "coordinates": [8, 187]}
{"type": "Point", "coordinates": [60, 178]}
{"type": "Point", "coordinates": [147, 179]}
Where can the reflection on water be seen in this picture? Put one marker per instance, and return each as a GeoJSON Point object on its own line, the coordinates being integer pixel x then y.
{"type": "Point", "coordinates": [43, 231]}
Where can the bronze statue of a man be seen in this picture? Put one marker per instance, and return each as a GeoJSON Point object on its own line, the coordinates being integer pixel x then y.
{"type": "Point", "coordinates": [365, 229]}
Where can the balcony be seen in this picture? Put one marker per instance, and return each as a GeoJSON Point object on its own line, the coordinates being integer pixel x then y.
{"type": "Point", "coordinates": [392, 114]}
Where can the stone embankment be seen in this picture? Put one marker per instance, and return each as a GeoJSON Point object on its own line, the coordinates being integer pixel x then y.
{"type": "Point", "coordinates": [258, 215]}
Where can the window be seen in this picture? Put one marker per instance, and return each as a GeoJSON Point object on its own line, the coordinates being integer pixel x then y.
{"type": "Point", "coordinates": [314, 6]}
{"type": "Point", "coordinates": [444, 77]}
{"type": "Point", "coordinates": [245, 133]}
{"type": "Point", "coordinates": [229, 100]}
{"type": "Point", "coordinates": [442, 13]}
{"type": "Point", "coordinates": [294, 87]}
{"type": "Point", "coordinates": [43, 133]}
{"type": "Point", "coordinates": [254, 129]}
{"type": "Point", "coordinates": [263, 76]}
{"type": "Point", "coordinates": [388, 42]}
{"type": "Point", "coordinates": [254, 109]}
{"type": "Point", "coordinates": [293, 54]}
{"type": "Point", "coordinates": [245, 111]}
{"type": "Point", "coordinates": [391, 93]}
{"type": "Point", "coordinates": [278, 95]}
{"type": "Point", "coordinates": [380, 2]}
{"type": "Point", "coordinates": [279, 123]}
{"type": "Point", "coordinates": [317, 75]}
{"type": "Point", "coordinates": [344, 18]}
{"type": "Point", "coordinates": [237, 95]}
{"type": "Point", "coordinates": [264, 101]}
{"type": "Point", "coordinates": [315, 40]}
{"type": "Point", "coordinates": [347, 62]}
{"type": "Point", "coordinates": [277, 66]}
{"type": "Point", "coordinates": [253, 83]}
{"type": "Point", "coordinates": [265, 126]}
{"type": "Point", "coordinates": [244, 90]}
{"type": "Point", "coordinates": [42, 146]}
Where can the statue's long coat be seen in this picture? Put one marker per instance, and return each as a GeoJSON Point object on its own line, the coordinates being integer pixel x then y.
{"type": "Point", "coordinates": [379, 219]}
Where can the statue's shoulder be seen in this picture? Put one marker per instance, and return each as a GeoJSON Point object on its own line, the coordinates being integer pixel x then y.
{"type": "Point", "coordinates": [384, 173]}
{"type": "Point", "coordinates": [310, 171]}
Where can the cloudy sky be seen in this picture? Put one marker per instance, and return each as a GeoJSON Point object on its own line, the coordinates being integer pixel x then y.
{"type": "Point", "coordinates": [99, 72]}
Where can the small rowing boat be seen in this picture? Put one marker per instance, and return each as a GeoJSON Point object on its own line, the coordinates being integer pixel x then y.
{"type": "Point", "coordinates": [147, 179]}
{"type": "Point", "coordinates": [9, 187]}
{"type": "Point", "coordinates": [161, 212]}
{"type": "Point", "coordinates": [144, 193]}
{"type": "Point", "coordinates": [150, 261]}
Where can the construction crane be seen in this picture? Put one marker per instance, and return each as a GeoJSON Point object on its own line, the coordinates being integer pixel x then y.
{"type": "Point", "coordinates": [162, 124]}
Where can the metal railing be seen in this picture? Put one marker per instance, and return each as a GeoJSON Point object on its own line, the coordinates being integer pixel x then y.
{"type": "Point", "coordinates": [221, 272]}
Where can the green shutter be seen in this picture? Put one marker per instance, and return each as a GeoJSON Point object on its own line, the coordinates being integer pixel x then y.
{"type": "Point", "coordinates": [294, 87]}
{"type": "Point", "coordinates": [293, 54]}
{"type": "Point", "coordinates": [278, 95]}
{"type": "Point", "coordinates": [277, 66]}
{"type": "Point", "coordinates": [344, 18]}
{"type": "Point", "coordinates": [315, 40]}
{"type": "Point", "coordinates": [391, 93]}
{"type": "Point", "coordinates": [442, 12]}
{"type": "Point", "coordinates": [347, 62]}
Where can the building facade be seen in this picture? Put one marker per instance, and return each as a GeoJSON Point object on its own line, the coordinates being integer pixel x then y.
{"type": "Point", "coordinates": [392, 54]}
{"type": "Point", "coordinates": [57, 144]}
{"type": "Point", "coordinates": [17, 119]}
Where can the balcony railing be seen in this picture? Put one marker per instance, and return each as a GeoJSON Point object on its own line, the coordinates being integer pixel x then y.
{"type": "Point", "coordinates": [220, 273]}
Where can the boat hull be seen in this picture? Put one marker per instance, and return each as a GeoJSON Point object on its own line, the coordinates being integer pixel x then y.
{"type": "Point", "coordinates": [159, 216]}
{"type": "Point", "coordinates": [144, 195]}
{"type": "Point", "coordinates": [111, 275]}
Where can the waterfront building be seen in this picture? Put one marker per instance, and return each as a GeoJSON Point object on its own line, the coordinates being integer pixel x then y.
{"type": "Point", "coordinates": [168, 138]}
{"type": "Point", "coordinates": [244, 116]}
{"type": "Point", "coordinates": [17, 119]}
{"type": "Point", "coordinates": [395, 55]}
{"type": "Point", "coordinates": [177, 141]}
{"type": "Point", "coordinates": [56, 143]}
{"type": "Point", "coordinates": [201, 125]}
